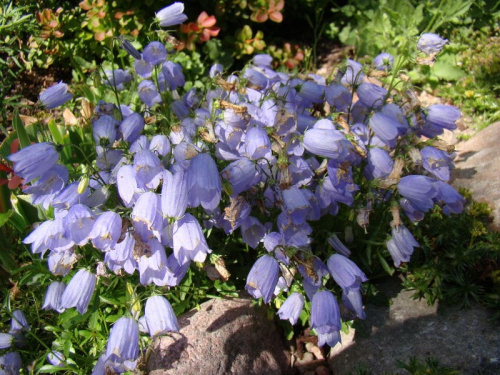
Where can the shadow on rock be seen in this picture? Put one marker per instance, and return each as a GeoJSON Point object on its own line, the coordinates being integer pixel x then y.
{"type": "Point", "coordinates": [462, 339]}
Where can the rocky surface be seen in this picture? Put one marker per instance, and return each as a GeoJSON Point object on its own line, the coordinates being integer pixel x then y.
{"type": "Point", "coordinates": [227, 336]}
{"type": "Point", "coordinates": [464, 339]}
{"type": "Point", "coordinates": [477, 168]}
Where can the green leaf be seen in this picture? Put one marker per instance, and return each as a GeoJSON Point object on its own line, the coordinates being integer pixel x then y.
{"type": "Point", "coordinates": [18, 126]}
{"type": "Point", "coordinates": [445, 68]}
{"type": "Point", "coordinates": [5, 216]}
{"type": "Point", "coordinates": [385, 265]}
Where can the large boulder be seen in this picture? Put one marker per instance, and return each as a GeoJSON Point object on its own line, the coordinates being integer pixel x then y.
{"type": "Point", "coordinates": [227, 336]}
{"type": "Point", "coordinates": [477, 168]}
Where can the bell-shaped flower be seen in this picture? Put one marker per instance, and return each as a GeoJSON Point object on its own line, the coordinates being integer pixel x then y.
{"type": "Point", "coordinates": [353, 301]}
{"type": "Point", "coordinates": [5, 340]}
{"type": "Point", "coordinates": [296, 204]}
{"type": "Point", "coordinates": [117, 78]}
{"type": "Point", "coordinates": [325, 313]}
{"type": "Point", "coordinates": [53, 296]}
{"type": "Point", "coordinates": [143, 68]}
{"type": "Point", "coordinates": [34, 160]}
{"type": "Point", "coordinates": [160, 144]}
{"type": "Point", "coordinates": [339, 97]}
{"type": "Point", "coordinates": [121, 256]}
{"type": "Point", "coordinates": [263, 278]}
{"type": "Point", "coordinates": [179, 109]}
{"type": "Point", "coordinates": [78, 223]}
{"type": "Point", "coordinates": [385, 127]}
{"type": "Point", "coordinates": [18, 322]}
{"type": "Point", "coordinates": [171, 15]}
{"type": "Point", "coordinates": [159, 316]}
{"type": "Point", "coordinates": [189, 243]}
{"type": "Point", "coordinates": [104, 130]}
{"type": "Point", "coordinates": [43, 191]}
{"type": "Point", "coordinates": [175, 271]}
{"type": "Point", "coordinates": [401, 245]}
{"type": "Point", "coordinates": [444, 116]}
{"type": "Point", "coordinates": [61, 262]}
{"type": "Point", "coordinates": [146, 216]}
{"type": "Point", "coordinates": [174, 199]}
{"type": "Point", "coordinates": [329, 143]}
{"type": "Point", "coordinates": [79, 290]}
{"type": "Point", "coordinates": [345, 272]}
{"type": "Point", "coordinates": [371, 95]}
{"type": "Point", "coordinates": [418, 190]}
{"type": "Point", "coordinates": [203, 182]}
{"type": "Point", "coordinates": [55, 95]}
{"type": "Point", "coordinates": [448, 198]}
{"type": "Point", "coordinates": [353, 74]}
{"type": "Point", "coordinates": [56, 358]}
{"type": "Point", "coordinates": [252, 231]}
{"type": "Point", "coordinates": [131, 50]}
{"type": "Point", "coordinates": [148, 168]}
{"type": "Point", "coordinates": [11, 363]}
{"type": "Point", "coordinates": [69, 196]}
{"type": "Point", "coordinates": [291, 308]}
{"type": "Point", "coordinates": [257, 144]}
{"type": "Point", "coordinates": [256, 79]}
{"type": "Point", "coordinates": [331, 339]}
{"type": "Point", "coordinates": [436, 162]}
{"type": "Point", "coordinates": [154, 53]}
{"type": "Point", "coordinates": [148, 93]}
{"type": "Point", "coordinates": [383, 61]}
{"type": "Point", "coordinates": [142, 143]}
{"type": "Point", "coordinates": [172, 72]}
{"type": "Point", "coordinates": [123, 343]}
{"type": "Point", "coordinates": [379, 164]}
{"type": "Point", "coordinates": [131, 127]}
{"type": "Point", "coordinates": [430, 43]}
{"type": "Point", "coordinates": [335, 242]}
{"type": "Point", "coordinates": [241, 174]}
{"type": "Point", "coordinates": [106, 231]}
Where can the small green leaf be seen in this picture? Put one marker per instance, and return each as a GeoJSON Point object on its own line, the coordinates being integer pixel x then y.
{"type": "Point", "coordinates": [18, 126]}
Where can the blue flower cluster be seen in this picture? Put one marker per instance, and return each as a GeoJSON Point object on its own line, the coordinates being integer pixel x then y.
{"type": "Point", "coordinates": [263, 154]}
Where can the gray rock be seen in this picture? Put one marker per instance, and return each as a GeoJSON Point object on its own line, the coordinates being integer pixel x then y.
{"type": "Point", "coordinates": [227, 336]}
{"type": "Point", "coordinates": [466, 340]}
{"type": "Point", "coordinates": [477, 168]}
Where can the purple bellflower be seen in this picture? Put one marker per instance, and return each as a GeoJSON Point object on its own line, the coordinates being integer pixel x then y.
{"type": "Point", "coordinates": [436, 162]}
{"type": "Point", "coordinates": [11, 363]}
{"type": "Point", "coordinates": [122, 348]}
{"type": "Point", "coordinates": [418, 190]}
{"type": "Point", "coordinates": [203, 182]}
{"type": "Point", "coordinates": [55, 95]}
{"type": "Point", "coordinates": [173, 75]}
{"type": "Point", "coordinates": [263, 278]}
{"type": "Point", "coordinates": [78, 223]}
{"type": "Point", "coordinates": [148, 93]}
{"type": "Point", "coordinates": [171, 15]}
{"type": "Point", "coordinates": [291, 308]}
{"type": "Point", "coordinates": [188, 240]}
{"type": "Point", "coordinates": [401, 245]}
{"type": "Point", "coordinates": [174, 199]}
{"type": "Point", "coordinates": [383, 61]}
{"type": "Point", "coordinates": [154, 53]}
{"type": "Point", "coordinates": [5, 340]}
{"type": "Point", "coordinates": [143, 68]}
{"type": "Point", "coordinates": [53, 297]}
{"type": "Point", "coordinates": [146, 216]}
{"type": "Point", "coordinates": [325, 315]}
{"type": "Point", "coordinates": [79, 290]}
{"type": "Point", "coordinates": [18, 322]}
{"type": "Point", "coordinates": [106, 230]}
{"type": "Point", "coordinates": [49, 184]}
{"type": "Point", "coordinates": [159, 316]}
{"type": "Point", "coordinates": [117, 78]}
{"type": "Point", "coordinates": [131, 127]}
{"type": "Point", "coordinates": [34, 160]}
{"type": "Point", "coordinates": [372, 96]}
{"type": "Point", "coordinates": [430, 43]}
{"type": "Point", "coordinates": [448, 198]}
{"type": "Point", "coordinates": [345, 272]}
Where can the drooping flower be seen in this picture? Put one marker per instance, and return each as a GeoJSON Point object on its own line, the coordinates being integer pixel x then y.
{"type": "Point", "coordinates": [325, 313]}
{"type": "Point", "coordinates": [174, 198]}
{"type": "Point", "coordinates": [131, 127]}
{"type": "Point", "coordinates": [203, 182]}
{"type": "Point", "coordinates": [53, 297]}
{"type": "Point", "coordinates": [117, 78]}
{"type": "Point", "coordinates": [122, 348]}
{"type": "Point", "coordinates": [335, 242]}
{"type": "Point", "coordinates": [189, 242]}
{"type": "Point", "coordinates": [431, 44]}
{"type": "Point", "coordinates": [18, 322]}
{"type": "Point", "coordinates": [11, 363]}
{"type": "Point", "coordinates": [5, 340]}
{"type": "Point", "coordinates": [146, 216]}
{"type": "Point", "coordinates": [291, 308]}
{"type": "Point", "coordinates": [79, 291]}
{"type": "Point", "coordinates": [56, 358]}
{"type": "Point", "coordinates": [172, 72]}
{"type": "Point", "coordinates": [263, 278]}
{"type": "Point", "coordinates": [106, 231]}
{"type": "Point", "coordinates": [154, 53]}
{"type": "Point", "coordinates": [34, 160]}
{"type": "Point", "coordinates": [252, 231]}
{"type": "Point", "coordinates": [353, 74]}
{"type": "Point", "coordinates": [159, 316]}
{"type": "Point", "coordinates": [379, 164]}
{"type": "Point", "coordinates": [104, 130]}
{"type": "Point", "coordinates": [171, 15]}
{"type": "Point", "coordinates": [372, 96]}
{"type": "Point", "coordinates": [345, 272]}
{"type": "Point", "coordinates": [55, 95]}
{"type": "Point", "coordinates": [148, 93]}
{"type": "Point", "coordinates": [383, 61]}
{"type": "Point", "coordinates": [401, 245]}
{"type": "Point", "coordinates": [418, 190]}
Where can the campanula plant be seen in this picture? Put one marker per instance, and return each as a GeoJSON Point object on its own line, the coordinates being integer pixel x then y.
{"type": "Point", "coordinates": [270, 164]}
